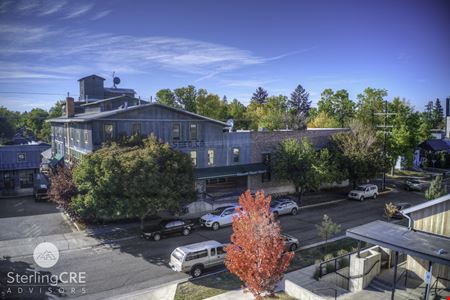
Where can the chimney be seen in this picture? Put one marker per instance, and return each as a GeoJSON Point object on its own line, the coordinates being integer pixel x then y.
{"type": "Point", "coordinates": [70, 107]}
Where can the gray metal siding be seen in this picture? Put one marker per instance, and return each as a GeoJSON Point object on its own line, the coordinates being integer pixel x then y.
{"type": "Point", "coordinates": [158, 121]}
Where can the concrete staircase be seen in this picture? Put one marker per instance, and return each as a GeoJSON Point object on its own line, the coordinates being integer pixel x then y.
{"type": "Point", "coordinates": [414, 290]}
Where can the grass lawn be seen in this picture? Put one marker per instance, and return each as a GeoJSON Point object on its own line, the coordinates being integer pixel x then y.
{"type": "Point", "coordinates": [210, 286]}
{"type": "Point", "coordinates": [407, 173]}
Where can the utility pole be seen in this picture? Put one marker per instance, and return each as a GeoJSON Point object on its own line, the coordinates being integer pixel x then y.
{"type": "Point", "coordinates": [385, 133]}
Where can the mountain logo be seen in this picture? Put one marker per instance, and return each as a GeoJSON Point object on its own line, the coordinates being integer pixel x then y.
{"type": "Point", "coordinates": [46, 255]}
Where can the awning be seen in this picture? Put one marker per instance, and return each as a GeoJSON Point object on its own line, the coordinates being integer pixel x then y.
{"type": "Point", "coordinates": [56, 160]}
{"type": "Point", "coordinates": [428, 246]}
{"type": "Point", "coordinates": [230, 171]}
{"type": "Point", "coordinates": [435, 145]}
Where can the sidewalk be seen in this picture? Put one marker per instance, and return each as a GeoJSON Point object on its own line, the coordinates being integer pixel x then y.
{"type": "Point", "coordinates": [64, 242]}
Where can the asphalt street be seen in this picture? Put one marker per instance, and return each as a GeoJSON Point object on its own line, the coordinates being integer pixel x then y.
{"type": "Point", "coordinates": [135, 264]}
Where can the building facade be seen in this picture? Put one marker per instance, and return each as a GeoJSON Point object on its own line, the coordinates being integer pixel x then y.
{"type": "Point", "coordinates": [224, 160]}
{"type": "Point", "coordinates": [431, 217]}
{"type": "Point", "coordinates": [19, 166]}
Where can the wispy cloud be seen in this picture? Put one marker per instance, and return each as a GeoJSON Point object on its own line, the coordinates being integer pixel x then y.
{"type": "Point", "coordinates": [49, 8]}
{"type": "Point", "coordinates": [101, 14]}
{"type": "Point", "coordinates": [121, 53]}
{"type": "Point", "coordinates": [79, 11]}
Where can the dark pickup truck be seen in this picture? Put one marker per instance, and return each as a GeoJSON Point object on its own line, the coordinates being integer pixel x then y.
{"type": "Point", "coordinates": [166, 228]}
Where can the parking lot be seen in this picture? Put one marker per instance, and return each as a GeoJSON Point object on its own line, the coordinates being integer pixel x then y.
{"type": "Point", "coordinates": [23, 217]}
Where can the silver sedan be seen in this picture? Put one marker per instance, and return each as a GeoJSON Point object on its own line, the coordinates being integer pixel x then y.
{"type": "Point", "coordinates": [284, 207]}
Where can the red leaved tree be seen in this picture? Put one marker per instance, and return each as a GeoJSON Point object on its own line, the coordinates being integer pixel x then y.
{"type": "Point", "coordinates": [256, 253]}
{"type": "Point", "coordinates": [62, 187]}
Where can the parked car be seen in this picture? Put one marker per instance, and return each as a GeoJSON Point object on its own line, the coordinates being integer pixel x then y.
{"type": "Point", "coordinates": [41, 192]}
{"type": "Point", "coordinates": [414, 185]}
{"type": "Point", "coordinates": [195, 258]}
{"type": "Point", "coordinates": [167, 227]}
{"type": "Point", "coordinates": [220, 217]}
{"type": "Point", "coordinates": [400, 206]}
{"type": "Point", "coordinates": [283, 207]}
{"type": "Point", "coordinates": [363, 192]}
{"type": "Point", "coordinates": [290, 243]}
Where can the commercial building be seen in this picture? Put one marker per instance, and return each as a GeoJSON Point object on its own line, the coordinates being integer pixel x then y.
{"type": "Point", "coordinates": [19, 166]}
{"type": "Point", "coordinates": [224, 160]}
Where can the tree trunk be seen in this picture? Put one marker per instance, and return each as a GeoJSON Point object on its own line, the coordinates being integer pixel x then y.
{"type": "Point", "coordinates": [298, 191]}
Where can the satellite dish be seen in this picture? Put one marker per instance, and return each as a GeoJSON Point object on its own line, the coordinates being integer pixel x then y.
{"type": "Point", "coordinates": [116, 80]}
{"type": "Point", "coordinates": [230, 123]}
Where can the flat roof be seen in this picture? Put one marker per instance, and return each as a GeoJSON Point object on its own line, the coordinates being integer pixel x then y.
{"type": "Point", "coordinates": [426, 204]}
{"type": "Point", "coordinates": [200, 246]}
{"type": "Point", "coordinates": [399, 238]}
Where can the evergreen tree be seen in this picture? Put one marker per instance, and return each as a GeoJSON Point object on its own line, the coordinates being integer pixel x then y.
{"type": "Point", "coordinates": [260, 95]}
{"type": "Point", "coordinates": [438, 114]}
{"type": "Point", "coordinates": [300, 106]}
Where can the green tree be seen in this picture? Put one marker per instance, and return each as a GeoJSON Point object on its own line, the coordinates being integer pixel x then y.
{"type": "Point", "coordinates": [438, 115]}
{"type": "Point", "coordinates": [358, 152]}
{"type": "Point", "coordinates": [8, 121]}
{"type": "Point", "coordinates": [327, 229]}
{"type": "Point", "coordinates": [299, 163]}
{"type": "Point", "coordinates": [126, 182]}
{"type": "Point", "coordinates": [273, 113]}
{"type": "Point", "coordinates": [211, 106]}
{"type": "Point", "coordinates": [186, 98]}
{"type": "Point", "coordinates": [370, 102]}
{"type": "Point", "coordinates": [299, 106]}
{"type": "Point", "coordinates": [167, 97]}
{"type": "Point", "coordinates": [260, 95]}
{"type": "Point", "coordinates": [436, 189]}
{"type": "Point", "coordinates": [34, 122]}
{"type": "Point", "coordinates": [323, 120]}
{"type": "Point", "coordinates": [338, 105]}
{"type": "Point", "coordinates": [54, 112]}
{"type": "Point", "coordinates": [237, 111]}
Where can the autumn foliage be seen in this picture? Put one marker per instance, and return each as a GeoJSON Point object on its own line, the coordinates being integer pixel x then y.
{"type": "Point", "coordinates": [62, 187]}
{"type": "Point", "coordinates": [256, 253]}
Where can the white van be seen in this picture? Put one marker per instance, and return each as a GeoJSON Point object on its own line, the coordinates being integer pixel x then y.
{"type": "Point", "coordinates": [195, 258]}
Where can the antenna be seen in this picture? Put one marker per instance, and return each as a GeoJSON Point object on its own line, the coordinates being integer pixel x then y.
{"type": "Point", "coordinates": [116, 80]}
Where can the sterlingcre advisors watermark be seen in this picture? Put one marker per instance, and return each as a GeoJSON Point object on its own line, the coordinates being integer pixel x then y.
{"type": "Point", "coordinates": [24, 282]}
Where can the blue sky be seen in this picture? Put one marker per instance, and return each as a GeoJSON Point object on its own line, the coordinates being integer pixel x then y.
{"type": "Point", "coordinates": [228, 47]}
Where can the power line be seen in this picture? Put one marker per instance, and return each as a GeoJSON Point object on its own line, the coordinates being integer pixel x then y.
{"type": "Point", "coordinates": [32, 93]}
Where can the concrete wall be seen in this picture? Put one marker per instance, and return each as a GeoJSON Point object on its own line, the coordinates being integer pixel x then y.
{"type": "Point", "coordinates": [337, 280]}
{"type": "Point", "coordinates": [361, 265]}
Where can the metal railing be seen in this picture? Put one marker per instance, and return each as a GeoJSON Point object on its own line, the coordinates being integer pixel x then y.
{"type": "Point", "coordinates": [435, 284]}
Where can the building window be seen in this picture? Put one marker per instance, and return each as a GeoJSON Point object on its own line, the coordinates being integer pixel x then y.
{"type": "Point", "coordinates": [192, 131]}
{"type": "Point", "coordinates": [210, 157]}
{"type": "Point", "coordinates": [176, 134]}
{"type": "Point", "coordinates": [236, 155]}
{"type": "Point", "coordinates": [194, 158]}
{"type": "Point", "coordinates": [78, 134]}
{"type": "Point", "coordinates": [21, 157]}
{"type": "Point", "coordinates": [86, 137]}
{"type": "Point", "coordinates": [108, 132]}
{"type": "Point", "coordinates": [266, 177]}
{"type": "Point", "coordinates": [72, 133]}
{"type": "Point", "coordinates": [136, 130]}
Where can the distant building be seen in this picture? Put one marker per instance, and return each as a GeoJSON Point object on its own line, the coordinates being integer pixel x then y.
{"type": "Point", "coordinates": [224, 160]}
{"type": "Point", "coordinates": [19, 166]}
